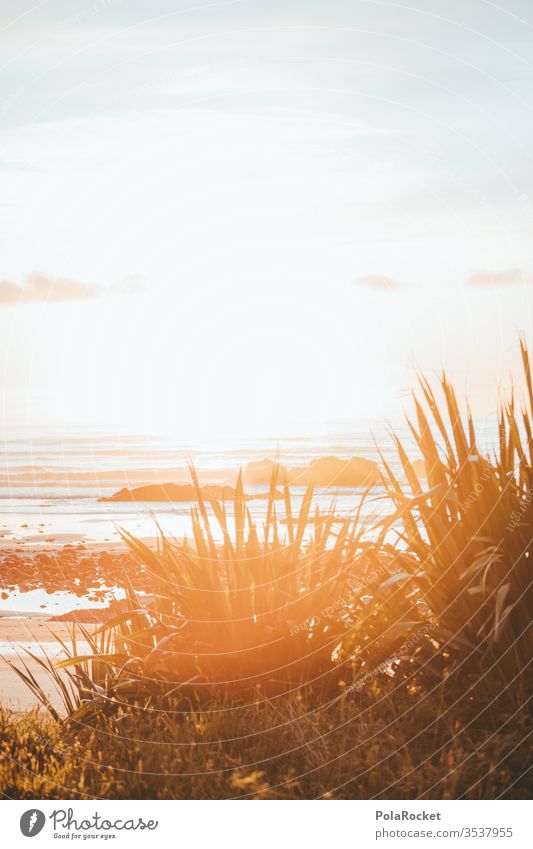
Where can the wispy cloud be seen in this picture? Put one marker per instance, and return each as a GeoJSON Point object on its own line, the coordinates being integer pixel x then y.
{"type": "Point", "coordinates": [43, 288]}
{"type": "Point", "coordinates": [379, 282]}
{"type": "Point", "coordinates": [498, 278]}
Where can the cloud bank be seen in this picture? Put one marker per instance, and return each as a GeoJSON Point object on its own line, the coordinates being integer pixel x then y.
{"type": "Point", "coordinates": [498, 278]}
{"type": "Point", "coordinates": [45, 289]}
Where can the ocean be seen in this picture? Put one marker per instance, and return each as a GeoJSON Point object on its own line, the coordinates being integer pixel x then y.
{"type": "Point", "coordinates": [51, 483]}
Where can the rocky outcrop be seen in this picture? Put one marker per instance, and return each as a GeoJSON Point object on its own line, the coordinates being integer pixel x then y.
{"type": "Point", "coordinates": [420, 468]}
{"type": "Point", "coordinates": [332, 471]}
{"type": "Point", "coordinates": [260, 471]}
{"type": "Point", "coordinates": [322, 472]}
{"type": "Point", "coordinates": [176, 492]}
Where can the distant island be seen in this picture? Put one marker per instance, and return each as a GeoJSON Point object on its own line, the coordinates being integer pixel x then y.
{"type": "Point", "coordinates": [323, 472]}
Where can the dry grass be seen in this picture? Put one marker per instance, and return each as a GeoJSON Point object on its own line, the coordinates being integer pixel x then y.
{"type": "Point", "coordinates": [374, 744]}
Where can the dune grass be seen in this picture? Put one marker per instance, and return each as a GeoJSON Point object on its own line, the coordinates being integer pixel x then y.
{"type": "Point", "coordinates": [295, 658]}
{"type": "Point", "coordinates": [383, 743]}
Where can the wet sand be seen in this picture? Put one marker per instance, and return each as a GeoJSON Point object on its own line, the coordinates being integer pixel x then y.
{"type": "Point", "coordinates": [83, 572]}
{"type": "Point", "coordinates": [79, 569]}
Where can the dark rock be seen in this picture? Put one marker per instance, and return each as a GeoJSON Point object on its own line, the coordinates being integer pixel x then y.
{"type": "Point", "coordinates": [322, 472]}
{"type": "Point", "coordinates": [177, 492]}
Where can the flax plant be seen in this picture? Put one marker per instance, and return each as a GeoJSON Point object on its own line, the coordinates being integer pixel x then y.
{"type": "Point", "coordinates": [264, 608]}
{"type": "Point", "coordinates": [259, 614]}
{"type": "Point", "coordinates": [466, 527]}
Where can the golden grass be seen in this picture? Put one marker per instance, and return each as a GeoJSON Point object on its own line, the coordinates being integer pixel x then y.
{"type": "Point", "coordinates": [381, 744]}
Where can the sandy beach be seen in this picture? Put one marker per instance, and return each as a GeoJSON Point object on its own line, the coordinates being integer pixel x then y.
{"type": "Point", "coordinates": [34, 633]}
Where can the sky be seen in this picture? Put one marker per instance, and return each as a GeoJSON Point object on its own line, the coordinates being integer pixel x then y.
{"type": "Point", "coordinates": [256, 216]}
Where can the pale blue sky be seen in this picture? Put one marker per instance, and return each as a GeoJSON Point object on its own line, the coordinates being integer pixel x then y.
{"type": "Point", "coordinates": [225, 194]}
